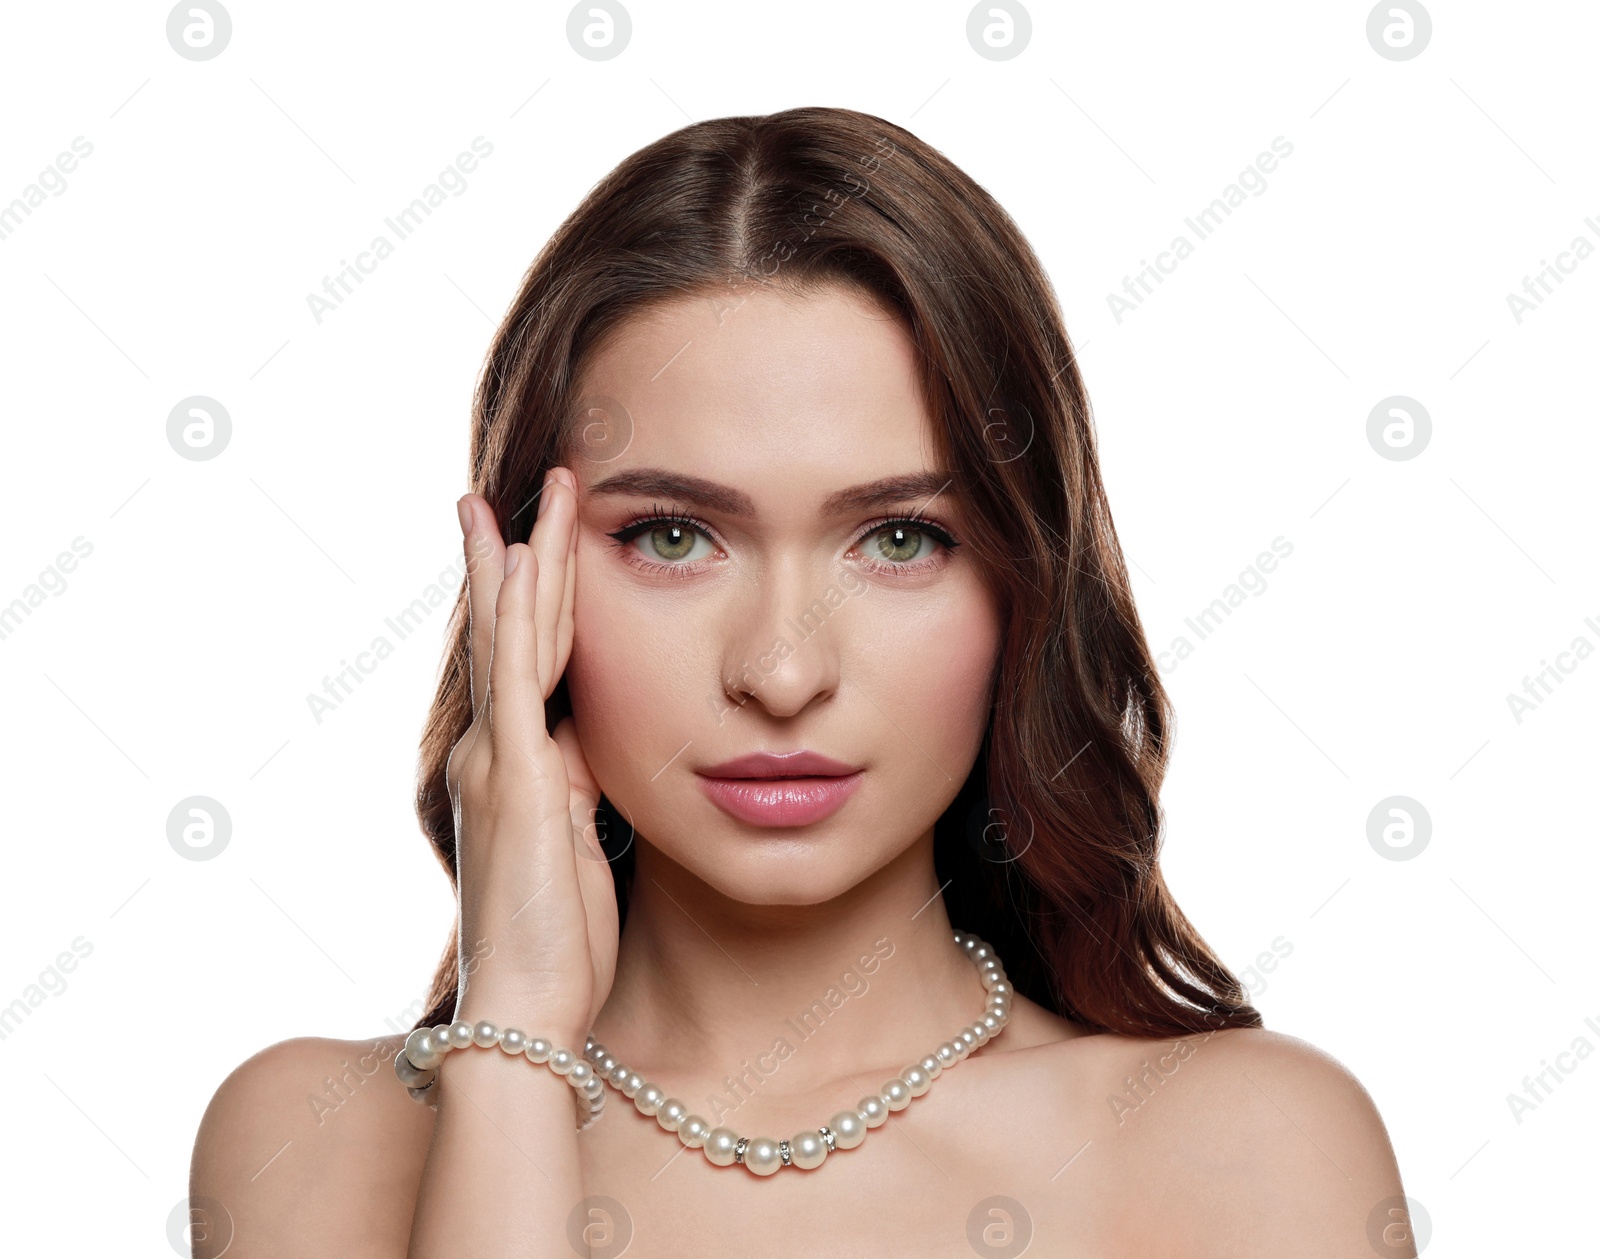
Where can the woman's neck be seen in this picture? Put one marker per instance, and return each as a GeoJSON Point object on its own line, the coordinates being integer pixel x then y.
{"type": "Point", "coordinates": [788, 998]}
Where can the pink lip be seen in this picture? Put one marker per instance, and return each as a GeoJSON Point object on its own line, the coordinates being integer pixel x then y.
{"type": "Point", "coordinates": [780, 801]}
{"type": "Point", "coordinates": [798, 764]}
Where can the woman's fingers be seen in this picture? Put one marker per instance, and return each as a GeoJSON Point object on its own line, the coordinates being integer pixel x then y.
{"type": "Point", "coordinates": [516, 704]}
{"type": "Point", "coordinates": [583, 788]}
{"type": "Point", "coordinates": [551, 541]}
{"type": "Point", "coordinates": [485, 556]}
{"type": "Point", "coordinates": [564, 621]}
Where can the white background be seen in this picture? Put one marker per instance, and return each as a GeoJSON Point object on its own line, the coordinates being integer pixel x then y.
{"type": "Point", "coordinates": [1231, 406]}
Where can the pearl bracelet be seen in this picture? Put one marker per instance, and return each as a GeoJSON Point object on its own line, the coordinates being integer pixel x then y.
{"type": "Point", "coordinates": [417, 1064]}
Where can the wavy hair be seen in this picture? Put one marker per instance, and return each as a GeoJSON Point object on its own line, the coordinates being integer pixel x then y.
{"type": "Point", "coordinates": [1050, 847]}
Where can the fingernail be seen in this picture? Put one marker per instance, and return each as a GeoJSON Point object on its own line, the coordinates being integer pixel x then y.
{"type": "Point", "coordinates": [464, 510]}
{"type": "Point", "coordinates": [511, 560]}
{"type": "Point", "coordinates": [544, 496]}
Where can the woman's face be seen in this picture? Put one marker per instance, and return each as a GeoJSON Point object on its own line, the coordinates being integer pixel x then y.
{"type": "Point", "coordinates": [775, 611]}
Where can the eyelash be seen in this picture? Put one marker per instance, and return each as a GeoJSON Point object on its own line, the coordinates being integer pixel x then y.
{"type": "Point", "coordinates": [664, 516]}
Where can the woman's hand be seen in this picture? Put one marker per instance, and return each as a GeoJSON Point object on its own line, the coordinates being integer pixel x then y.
{"type": "Point", "coordinates": [538, 911]}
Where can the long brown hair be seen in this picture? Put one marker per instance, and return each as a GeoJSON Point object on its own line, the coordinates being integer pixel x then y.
{"type": "Point", "coordinates": [1050, 846]}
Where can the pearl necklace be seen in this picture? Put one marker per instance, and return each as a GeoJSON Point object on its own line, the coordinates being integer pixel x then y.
{"type": "Point", "coordinates": [848, 1128]}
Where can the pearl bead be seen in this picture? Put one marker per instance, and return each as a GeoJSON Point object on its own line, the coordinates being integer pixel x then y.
{"type": "Point", "coordinates": [719, 1145]}
{"type": "Point", "coordinates": [693, 1131]}
{"type": "Point", "coordinates": [411, 1075]}
{"type": "Point", "coordinates": [849, 1129]}
{"type": "Point", "coordinates": [649, 1099]}
{"type": "Point", "coordinates": [671, 1113]}
{"type": "Point", "coordinates": [423, 1049]}
{"type": "Point", "coordinates": [807, 1149]}
{"type": "Point", "coordinates": [590, 1070]}
{"type": "Point", "coordinates": [762, 1156]}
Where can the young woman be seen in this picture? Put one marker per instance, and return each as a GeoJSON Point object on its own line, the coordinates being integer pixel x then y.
{"type": "Point", "coordinates": [796, 761]}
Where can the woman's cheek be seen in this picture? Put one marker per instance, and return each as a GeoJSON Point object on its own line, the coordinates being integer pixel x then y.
{"type": "Point", "coordinates": [637, 694]}
{"type": "Point", "coordinates": [938, 670]}
{"type": "Point", "coordinates": [598, 674]}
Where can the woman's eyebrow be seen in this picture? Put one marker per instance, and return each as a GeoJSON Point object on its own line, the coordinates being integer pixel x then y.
{"type": "Point", "coordinates": [713, 496]}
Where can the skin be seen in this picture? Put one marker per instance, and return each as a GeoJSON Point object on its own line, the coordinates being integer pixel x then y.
{"type": "Point", "coordinates": [1241, 1143]}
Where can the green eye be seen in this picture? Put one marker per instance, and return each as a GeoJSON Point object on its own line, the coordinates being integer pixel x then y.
{"type": "Point", "coordinates": [671, 542]}
{"type": "Point", "coordinates": [665, 540]}
{"type": "Point", "coordinates": [897, 544]}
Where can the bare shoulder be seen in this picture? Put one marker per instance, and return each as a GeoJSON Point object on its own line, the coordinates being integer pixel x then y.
{"type": "Point", "coordinates": [1263, 1144]}
{"type": "Point", "coordinates": [310, 1147]}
